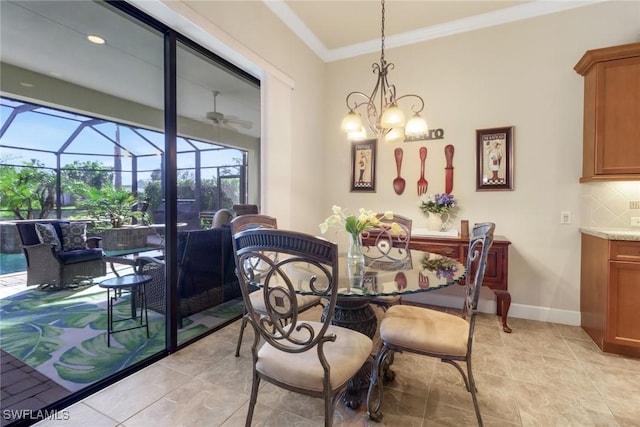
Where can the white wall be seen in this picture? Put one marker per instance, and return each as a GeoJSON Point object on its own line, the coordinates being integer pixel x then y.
{"type": "Point", "coordinates": [518, 74]}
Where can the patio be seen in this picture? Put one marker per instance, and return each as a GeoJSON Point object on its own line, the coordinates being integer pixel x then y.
{"type": "Point", "coordinates": [76, 355]}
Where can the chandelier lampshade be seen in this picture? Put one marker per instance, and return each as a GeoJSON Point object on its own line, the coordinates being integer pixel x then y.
{"type": "Point", "coordinates": [351, 122]}
{"type": "Point", "coordinates": [416, 126]}
{"type": "Point", "coordinates": [392, 117]}
{"type": "Point", "coordinates": [384, 117]}
{"type": "Point", "coordinates": [394, 135]}
{"type": "Point", "coordinates": [358, 135]}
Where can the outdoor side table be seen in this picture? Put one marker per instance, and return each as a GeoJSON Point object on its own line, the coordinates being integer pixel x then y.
{"type": "Point", "coordinates": [133, 283]}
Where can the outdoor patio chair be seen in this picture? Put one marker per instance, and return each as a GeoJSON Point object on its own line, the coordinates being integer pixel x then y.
{"type": "Point", "coordinates": [206, 273]}
{"type": "Point", "coordinates": [58, 253]}
{"type": "Point", "coordinates": [434, 333]}
{"type": "Point", "coordinates": [317, 359]}
{"type": "Point", "coordinates": [245, 209]}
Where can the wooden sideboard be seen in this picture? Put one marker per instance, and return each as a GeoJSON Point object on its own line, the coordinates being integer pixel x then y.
{"type": "Point", "coordinates": [496, 273]}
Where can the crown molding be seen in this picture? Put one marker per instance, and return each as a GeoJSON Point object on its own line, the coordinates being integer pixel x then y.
{"type": "Point", "coordinates": [485, 20]}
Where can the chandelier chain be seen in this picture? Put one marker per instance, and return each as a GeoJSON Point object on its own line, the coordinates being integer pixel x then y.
{"type": "Point", "coordinates": [382, 32]}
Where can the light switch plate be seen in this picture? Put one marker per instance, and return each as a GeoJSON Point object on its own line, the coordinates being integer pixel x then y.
{"type": "Point", "coordinates": [635, 221]}
{"type": "Point", "coordinates": [565, 217]}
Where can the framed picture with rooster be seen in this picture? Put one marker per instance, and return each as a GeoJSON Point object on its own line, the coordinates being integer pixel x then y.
{"type": "Point", "coordinates": [363, 166]}
{"type": "Point", "coordinates": [494, 149]}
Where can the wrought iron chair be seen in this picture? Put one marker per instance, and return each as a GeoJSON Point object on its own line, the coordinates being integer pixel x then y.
{"type": "Point", "coordinates": [313, 358]}
{"type": "Point", "coordinates": [434, 333]}
{"type": "Point", "coordinates": [252, 221]}
{"type": "Point", "coordinates": [383, 245]}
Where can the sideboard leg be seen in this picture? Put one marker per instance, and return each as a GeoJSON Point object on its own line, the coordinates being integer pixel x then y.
{"type": "Point", "coordinates": [504, 302]}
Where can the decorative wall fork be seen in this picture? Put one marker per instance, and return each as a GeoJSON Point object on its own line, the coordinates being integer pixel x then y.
{"type": "Point", "coordinates": [423, 184]}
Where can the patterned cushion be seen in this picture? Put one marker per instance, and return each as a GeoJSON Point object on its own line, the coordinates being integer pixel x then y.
{"type": "Point", "coordinates": [74, 235]}
{"type": "Point", "coordinates": [47, 234]}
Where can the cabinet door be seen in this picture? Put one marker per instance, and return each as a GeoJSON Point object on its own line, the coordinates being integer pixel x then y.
{"type": "Point", "coordinates": [623, 320]}
{"type": "Point", "coordinates": [617, 117]}
{"type": "Point", "coordinates": [496, 269]}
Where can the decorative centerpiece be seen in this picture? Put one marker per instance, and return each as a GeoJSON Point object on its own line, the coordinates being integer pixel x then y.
{"type": "Point", "coordinates": [438, 209]}
{"type": "Point", "coordinates": [443, 268]}
{"type": "Point", "coordinates": [356, 226]}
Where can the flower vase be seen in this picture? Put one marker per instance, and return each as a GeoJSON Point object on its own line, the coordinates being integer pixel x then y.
{"type": "Point", "coordinates": [438, 221]}
{"type": "Point", "coordinates": [355, 260]}
{"type": "Point", "coordinates": [434, 222]}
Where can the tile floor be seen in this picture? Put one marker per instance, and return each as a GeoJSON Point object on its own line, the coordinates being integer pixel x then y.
{"type": "Point", "coordinates": [542, 374]}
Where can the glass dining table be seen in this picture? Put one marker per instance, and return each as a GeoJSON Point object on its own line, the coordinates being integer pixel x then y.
{"type": "Point", "coordinates": [417, 271]}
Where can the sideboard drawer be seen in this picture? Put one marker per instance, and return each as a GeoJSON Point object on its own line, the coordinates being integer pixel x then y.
{"type": "Point", "coordinates": [449, 250]}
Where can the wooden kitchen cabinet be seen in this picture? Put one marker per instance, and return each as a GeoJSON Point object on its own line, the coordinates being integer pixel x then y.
{"type": "Point", "coordinates": [610, 293]}
{"type": "Point", "coordinates": [496, 272]}
{"type": "Point", "coordinates": [611, 126]}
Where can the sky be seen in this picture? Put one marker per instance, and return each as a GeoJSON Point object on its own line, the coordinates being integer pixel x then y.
{"type": "Point", "coordinates": [48, 129]}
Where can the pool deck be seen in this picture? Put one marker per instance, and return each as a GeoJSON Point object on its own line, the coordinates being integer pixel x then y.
{"type": "Point", "coordinates": [12, 283]}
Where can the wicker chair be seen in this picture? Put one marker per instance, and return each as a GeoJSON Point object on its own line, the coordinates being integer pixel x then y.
{"type": "Point", "coordinates": [434, 333]}
{"type": "Point", "coordinates": [383, 245]}
{"type": "Point", "coordinates": [251, 221]}
{"type": "Point", "coordinates": [206, 273]}
{"type": "Point", "coordinates": [245, 209]}
{"type": "Point", "coordinates": [51, 265]}
{"type": "Point", "coordinates": [313, 358]}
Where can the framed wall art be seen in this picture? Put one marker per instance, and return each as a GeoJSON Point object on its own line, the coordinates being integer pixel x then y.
{"type": "Point", "coordinates": [363, 166]}
{"type": "Point", "coordinates": [494, 157]}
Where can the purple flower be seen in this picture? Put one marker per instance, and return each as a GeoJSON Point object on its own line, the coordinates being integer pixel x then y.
{"type": "Point", "coordinates": [438, 204]}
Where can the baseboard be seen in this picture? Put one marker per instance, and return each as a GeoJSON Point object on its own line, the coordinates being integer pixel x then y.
{"type": "Point", "coordinates": [545, 314]}
{"type": "Point", "coordinates": [452, 296]}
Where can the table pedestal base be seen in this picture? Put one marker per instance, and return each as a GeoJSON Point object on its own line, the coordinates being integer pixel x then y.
{"type": "Point", "coordinates": [356, 314]}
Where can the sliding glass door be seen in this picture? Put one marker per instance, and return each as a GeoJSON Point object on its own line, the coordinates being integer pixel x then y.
{"type": "Point", "coordinates": [89, 133]}
{"type": "Point", "coordinates": [216, 115]}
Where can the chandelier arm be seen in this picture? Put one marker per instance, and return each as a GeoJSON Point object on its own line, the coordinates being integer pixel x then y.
{"type": "Point", "coordinates": [356, 104]}
{"type": "Point", "coordinates": [414, 108]}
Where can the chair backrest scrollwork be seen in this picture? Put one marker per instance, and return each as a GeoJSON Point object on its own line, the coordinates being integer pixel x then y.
{"type": "Point", "coordinates": [285, 259]}
{"type": "Point", "coordinates": [386, 245]}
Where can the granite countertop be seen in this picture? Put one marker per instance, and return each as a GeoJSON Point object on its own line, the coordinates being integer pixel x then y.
{"type": "Point", "coordinates": [612, 233]}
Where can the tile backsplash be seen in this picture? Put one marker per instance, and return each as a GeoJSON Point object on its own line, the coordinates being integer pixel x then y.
{"type": "Point", "coordinates": [608, 204]}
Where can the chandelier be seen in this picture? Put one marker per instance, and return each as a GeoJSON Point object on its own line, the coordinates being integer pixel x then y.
{"type": "Point", "coordinates": [384, 118]}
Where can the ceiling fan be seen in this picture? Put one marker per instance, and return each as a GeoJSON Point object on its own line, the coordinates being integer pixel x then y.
{"type": "Point", "coordinates": [229, 122]}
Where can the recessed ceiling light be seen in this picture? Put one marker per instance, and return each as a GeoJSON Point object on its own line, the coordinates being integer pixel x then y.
{"type": "Point", "coordinates": [95, 39]}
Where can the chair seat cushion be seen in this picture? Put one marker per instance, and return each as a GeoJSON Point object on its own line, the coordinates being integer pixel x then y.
{"type": "Point", "coordinates": [80, 255]}
{"type": "Point", "coordinates": [424, 330]}
{"type": "Point", "coordinates": [345, 355]}
{"type": "Point", "coordinates": [304, 301]}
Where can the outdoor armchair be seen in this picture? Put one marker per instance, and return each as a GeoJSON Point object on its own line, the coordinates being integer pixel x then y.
{"type": "Point", "coordinates": [58, 253]}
